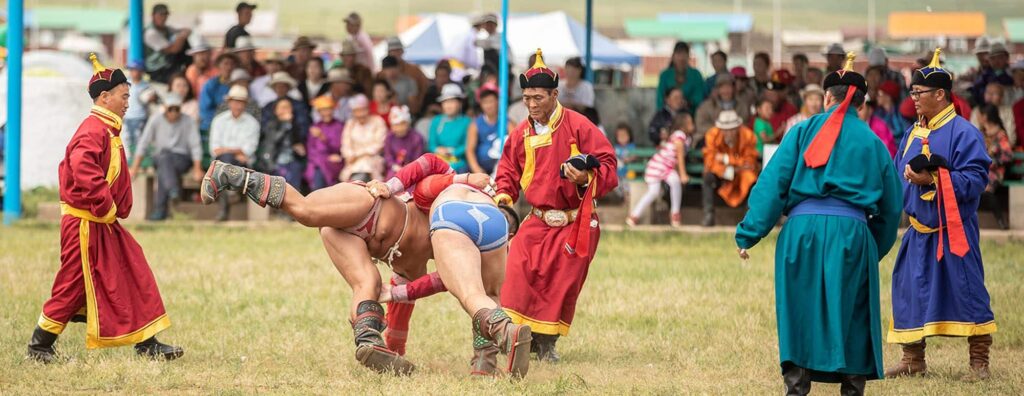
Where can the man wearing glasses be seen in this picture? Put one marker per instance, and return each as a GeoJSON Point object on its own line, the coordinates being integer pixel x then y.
{"type": "Point", "coordinates": [938, 283]}
{"type": "Point", "coordinates": [174, 140]}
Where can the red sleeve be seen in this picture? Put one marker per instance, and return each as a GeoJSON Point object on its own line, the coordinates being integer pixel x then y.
{"type": "Point", "coordinates": [510, 169]}
{"type": "Point", "coordinates": [85, 157]}
{"type": "Point", "coordinates": [427, 190]}
{"type": "Point", "coordinates": [426, 165]}
{"type": "Point", "coordinates": [1018, 116]}
{"type": "Point", "coordinates": [593, 142]}
{"type": "Point", "coordinates": [424, 286]}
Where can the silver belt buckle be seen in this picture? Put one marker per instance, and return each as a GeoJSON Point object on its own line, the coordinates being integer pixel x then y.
{"type": "Point", "coordinates": [556, 218]}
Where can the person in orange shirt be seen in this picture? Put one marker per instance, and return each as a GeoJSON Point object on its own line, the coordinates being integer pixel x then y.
{"type": "Point", "coordinates": [730, 163]}
{"type": "Point", "coordinates": [202, 67]}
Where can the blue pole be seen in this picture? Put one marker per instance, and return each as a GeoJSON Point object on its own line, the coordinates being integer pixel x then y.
{"type": "Point", "coordinates": [135, 19]}
{"type": "Point", "coordinates": [12, 142]}
{"type": "Point", "coordinates": [503, 76]}
{"type": "Point", "coordinates": [588, 58]}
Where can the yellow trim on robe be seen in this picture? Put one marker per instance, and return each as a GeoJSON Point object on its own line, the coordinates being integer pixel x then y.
{"type": "Point", "coordinates": [951, 329]}
{"type": "Point", "coordinates": [533, 141]}
{"type": "Point", "coordinates": [922, 132]}
{"type": "Point", "coordinates": [108, 117]}
{"type": "Point", "coordinates": [50, 325]}
{"type": "Point", "coordinates": [503, 199]}
{"type": "Point", "coordinates": [83, 214]}
{"type": "Point", "coordinates": [539, 326]}
{"type": "Point", "coordinates": [921, 227]}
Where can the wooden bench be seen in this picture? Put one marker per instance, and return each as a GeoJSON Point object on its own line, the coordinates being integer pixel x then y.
{"type": "Point", "coordinates": [144, 196]}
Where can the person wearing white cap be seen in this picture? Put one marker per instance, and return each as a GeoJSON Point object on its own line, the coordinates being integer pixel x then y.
{"type": "Point", "coordinates": [262, 90]}
{"type": "Point", "coordinates": [362, 143]}
{"type": "Point", "coordinates": [997, 72]}
{"type": "Point", "coordinates": [174, 140]}
{"type": "Point", "coordinates": [354, 27]}
{"type": "Point", "coordinates": [202, 67]}
{"type": "Point", "coordinates": [469, 52]}
{"type": "Point", "coordinates": [245, 50]}
{"type": "Point", "coordinates": [242, 78]}
{"type": "Point", "coordinates": [282, 87]}
{"type": "Point", "coordinates": [877, 57]}
{"type": "Point", "coordinates": [813, 98]}
{"type": "Point", "coordinates": [403, 145]}
{"type": "Point", "coordinates": [834, 57]}
{"type": "Point", "coordinates": [730, 163]}
{"type": "Point", "coordinates": [234, 136]}
{"type": "Point", "coordinates": [981, 50]}
{"type": "Point", "coordinates": [447, 134]}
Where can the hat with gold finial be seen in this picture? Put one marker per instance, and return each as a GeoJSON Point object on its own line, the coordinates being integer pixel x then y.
{"type": "Point", "coordinates": [103, 79]}
{"type": "Point", "coordinates": [538, 75]}
{"type": "Point", "coordinates": [846, 76]}
{"type": "Point", "coordinates": [933, 75]}
{"type": "Point", "coordinates": [820, 149]}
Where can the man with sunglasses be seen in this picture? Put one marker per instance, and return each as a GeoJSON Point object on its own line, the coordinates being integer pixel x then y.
{"type": "Point", "coordinates": [174, 142]}
{"type": "Point", "coordinates": [938, 283]}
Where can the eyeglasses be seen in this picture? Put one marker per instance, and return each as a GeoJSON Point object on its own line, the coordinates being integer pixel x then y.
{"type": "Point", "coordinates": [917, 94]}
{"type": "Point", "coordinates": [173, 108]}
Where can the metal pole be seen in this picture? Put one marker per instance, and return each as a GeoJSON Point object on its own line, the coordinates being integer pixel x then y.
{"type": "Point", "coordinates": [12, 138]}
{"type": "Point", "coordinates": [503, 76]}
{"type": "Point", "coordinates": [588, 62]}
{"type": "Point", "coordinates": [135, 19]}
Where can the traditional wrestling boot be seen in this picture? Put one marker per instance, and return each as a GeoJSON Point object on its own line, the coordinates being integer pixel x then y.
{"type": "Point", "coordinates": [797, 380]}
{"type": "Point", "coordinates": [912, 363]}
{"type": "Point", "coordinates": [371, 350]}
{"type": "Point", "coordinates": [544, 346]}
{"type": "Point", "coordinates": [261, 188]}
{"type": "Point", "coordinates": [979, 347]}
{"type": "Point", "coordinates": [853, 385]}
{"type": "Point", "coordinates": [154, 349]}
{"type": "Point", "coordinates": [40, 347]}
{"type": "Point", "coordinates": [511, 339]}
{"type": "Point", "coordinates": [485, 354]}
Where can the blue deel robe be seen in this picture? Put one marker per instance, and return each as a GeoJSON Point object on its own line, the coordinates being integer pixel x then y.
{"type": "Point", "coordinates": [941, 297]}
{"type": "Point", "coordinates": [826, 267]}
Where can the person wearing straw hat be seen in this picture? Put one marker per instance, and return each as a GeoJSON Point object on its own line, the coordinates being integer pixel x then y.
{"type": "Point", "coordinates": [341, 88]}
{"type": "Point", "coordinates": [302, 52]}
{"type": "Point", "coordinates": [836, 183]}
{"type": "Point", "coordinates": [938, 281]}
{"type": "Point", "coordinates": [354, 27]}
{"type": "Point", "coordinates": [234, 136]}
{"type": "Point", "coordinates": [240, 77]}
{"type": "Point", "coordinates": [244, 12]}
{"type": "Point", "coordinates": [812, 97]}
{"type": "Point", "coordinates": [202, 68]}
{"type": "Point", "coordinates": [730, 163]}
{"type": "Point", "coordinates": [361, 74]}
{"type": "Point", "coordinates": [262, 87]}
{"type": "Point", "coordinates": [245, 50]}
{"type": "Point", "coordinates": [447, 134]}
{"type": "Point", "coordinates": [998, 72]}
{"type": "Point", "coordinates": [103, 276]}
{"type": "Point", "coordinates": [282, 87]}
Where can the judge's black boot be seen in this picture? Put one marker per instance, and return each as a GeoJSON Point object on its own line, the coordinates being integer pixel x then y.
{"type": "Point", "coordinates": [371, 350]}
{"type": "Point", "coordinates": [40, 347]}
{"type": "Point", "coordinates": [156, 350]}
{"type": "Point", "coordinates": [544, 346]}
{"type": "Point", "coordinates": [261, 188]}
{"type": "Point", "coordinates": [797, 380]}
{"type": "Point", "coordinates": [853, 385]}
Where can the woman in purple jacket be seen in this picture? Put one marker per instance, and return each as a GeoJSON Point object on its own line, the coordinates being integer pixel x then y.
{"type": "Point", "coordinates": [323, 146]}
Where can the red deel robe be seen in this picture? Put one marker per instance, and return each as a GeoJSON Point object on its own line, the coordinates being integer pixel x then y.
{"type": "Point", "coordinates": [103, 270]}
{"type": "Point", "coordinates": [543, 281]}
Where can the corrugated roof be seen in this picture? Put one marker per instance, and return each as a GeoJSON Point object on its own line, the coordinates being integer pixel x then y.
{"type": "Point", "coordinates": [85, 20]}
{"type": "Point", "coordinates": [698, 31]}
{"type": "Point", "coordinates": [932, 24]}
{"type": "Point", "coordinates": [1014, 29]}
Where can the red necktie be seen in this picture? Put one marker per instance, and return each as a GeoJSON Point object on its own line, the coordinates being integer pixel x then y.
{"type": "Point", "coordinates": [821, 147]}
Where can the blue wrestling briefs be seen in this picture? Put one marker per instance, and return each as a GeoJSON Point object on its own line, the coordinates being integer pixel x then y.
{"type": "Point", "coordinates": [484, 224]}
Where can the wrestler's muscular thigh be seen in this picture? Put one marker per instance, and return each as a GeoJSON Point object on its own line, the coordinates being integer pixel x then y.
{"type": "Point", "coordinates": [458, 263]}
{"type": "Point", "coordinates": [492, 271]}
{"type": "Point", "coordinates": [340, 206]}
{"type": "Point", "coordinates": [349, 255]}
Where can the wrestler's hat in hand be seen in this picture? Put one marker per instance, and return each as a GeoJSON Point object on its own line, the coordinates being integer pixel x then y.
{"type": "Point", "coordinates": [103, 78]}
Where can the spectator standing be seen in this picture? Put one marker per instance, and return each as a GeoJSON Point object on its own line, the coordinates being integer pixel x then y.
{"type": "Point", "coordinates": [662, 119]}
{"type": "Point", "coordinates": [834, 55]}
{"type": "Point", "coordinates": [323, 146]}
{"type": "Point", "coordinates": [679, 74]}
{"type": "Point", "coordinates": [397, 50]}
{"type": "Point", "coordinates": [189, 104]}
{"type": "Point", "coordinates": [202, 68]}
{"type": "Point", "coordinates": [362, 143]}
{"type": "Point", "coordinates": [888, 110]}
{"type": "Point", "coordinates": [998, 72]}
{"type": "Point", "coordinates": [354, 27]}
{"type": "Point", "coordinates": [403, 145]}
{"type": "Point", "coordinates": [244, 12]}
{"type": "Point", "coordinates": [362, 75]}
{"type": "Point", "coordinates": [994, 96]}
{"type": "Point", "coordinates": [813, 97]}
{"type": "Point", "coordinates": [165, 46]}
{"type": "Point", "coordinates": [1001, 152]}
{"type": "Point", "coordinates": [447, 135]}
{"type": "Point", "coordinates": [877, 125]}
{"type": "Point", "coordinates": [730, 164]}
{"type": "Point", "coordinates": [341, 90]}
{"type": "Point", "coordinates": [141, 95]}
{"type": "Point", "coordinates": [245, 50]}
{"type": "Point", "coordinates": [174, 139]}
{"type": "Point", "coordinates": [383, 100]}
{"type": "Point", "coordinates": [280, 141]}
{"type": "Point", "coordinates": [483, 148]}
{"type": "Point", "coordinates": [490, 42]}
{"type": "Point", "coordinates": [315, 84]}
{"type": "Point", "coordinates": [877, 57]}
{"type": "Point", "coordinates": [762, 72]}
{"type": "Point", "coordinates": [442, 77]}
{"type": "Point", "coordinates": [302, 52]}
{"type": "Point", "coordinates": [234, 137]}
{"type": "Point", "coordinates": [214, 92]}
{"type": "Point", "coordinates": [469, 53]}
{"type": "Point", "coordinates": [668, 165]}
{"type": "Point", "coordinates": [574, 91]}
{"type": "Point", "coordinates": [722, 98]}
{"type": "Point", "coordinates": [981, 51]}
{"type": "Point", "coordinates": [719, 65]}
{"type": "Point", "coordinates": [406, 91]}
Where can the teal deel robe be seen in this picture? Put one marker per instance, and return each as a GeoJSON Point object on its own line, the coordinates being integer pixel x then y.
{"type": "Point", "coordinates": [826, 267]}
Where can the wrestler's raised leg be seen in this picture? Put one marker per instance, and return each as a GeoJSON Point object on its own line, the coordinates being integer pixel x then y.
{"type": "Point", "coordinates": [350, 257]}
{"type": "Point", "coordinates": [461, 269]}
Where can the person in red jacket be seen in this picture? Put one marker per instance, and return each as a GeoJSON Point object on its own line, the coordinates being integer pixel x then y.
{"type": "Point", "coordinates": [549, 256]}
{"type": "Point", "coordinates": [103, 277]}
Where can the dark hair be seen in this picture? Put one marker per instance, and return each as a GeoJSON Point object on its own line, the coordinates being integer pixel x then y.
{"type": "Point", "coordinates": [721, 54]}
{"type": "Point", "coordinates": [592, 115]}
{"type": "Point", "coordinates": [680, 120]}
{"type": "Point", "coordinates": [577, 63]}
{"type": "Point", "coordinates": [991, 113]}
{"type": "Point", "coordinates": [669, 92]}
{"type": "Point", "coordinates": [188, 96]}
{"type": "Point", "coordinates": [873, 104]}
{"type": "Point", "coordinates": [385, 83]}
{"type": "Point", "coordinates": [487, 92]}
{"type": "Point", "coordinates": [763, 56]}
{"type": "Point", "coordinates": [443, 64]}
{"type": "Point", "coordinates": [839, 92]}
{"type": "Point", "coordinates": [680, 47]}
{"type": "Point", "coordinates": [159, 8]}
{"type": "Point", "coordinates": [762, 100]}
{"type": "Point", "coordinates": [513, 225]}
{"type": "Point", "coordinates": [225, 55]}
{"type": "Point", "coordinates": [800, 56]}
{"type": "Point", "coordinates": [625, 125]}
{"type": "Point", "coordinates": [880, 69]}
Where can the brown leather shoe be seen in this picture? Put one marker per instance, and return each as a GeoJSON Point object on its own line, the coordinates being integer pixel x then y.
{"type": "Point", "coordinates": [912, 364]}
{"type": "Point", "coordinates": [512, 339]}
{"type": "Point", "coordinates": [979, 348]}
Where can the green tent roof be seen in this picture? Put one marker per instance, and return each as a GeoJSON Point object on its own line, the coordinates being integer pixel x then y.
{"type": "Point", "coordinates": [1014, 29]}
{"type": "Point", "coordinates": [699, 31]}
{"type": "Point", "coordinates": [85, 20]}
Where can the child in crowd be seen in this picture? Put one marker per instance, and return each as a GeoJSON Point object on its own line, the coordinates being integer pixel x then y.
{"type": "Point", "coordinates": [667, 165]}
{"type": "Point", "coordinates": [401, 147]}
{"type": "Point", "coordinates": [998, 145]}
{"type": "Point", "coordinates": [763, 125]}
{"type": "Point", "coordinates": [624, 148]}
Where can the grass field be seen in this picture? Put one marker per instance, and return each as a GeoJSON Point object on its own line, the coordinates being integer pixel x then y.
{"type": "Point", "coordinates": [262, 310]}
